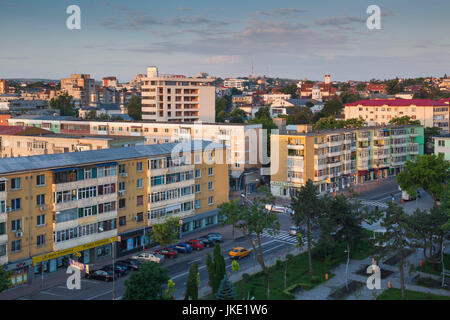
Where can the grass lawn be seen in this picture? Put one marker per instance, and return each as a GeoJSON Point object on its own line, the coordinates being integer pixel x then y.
{"type": "Point", "coordinates": [429, 268]}
{"type": "Point", "coordinates": [297, 273]}
{"type": "Point", "coordinates": [395, 294]}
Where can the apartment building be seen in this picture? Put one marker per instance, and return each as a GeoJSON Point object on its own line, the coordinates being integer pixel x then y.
{"type": "Point", "coordinates": [244, 141]}
{"type": "Point", "coordinates": [30, 141]}
{"type": "Point", "coordinates": [4, 86]}
{"type": "Point", "coordinates": [442, 146]}
{"type": "Point", "coordinates": [430, 113]}
{"type": "Point", "coordinates": [235, 83]}
{"type": "Point", "coordinates": [81, 87]}
{"type": "Point", "coordinates": [338, 159]}
{"type": "Point", "coordinates": [86, 204]}
{"type": "Point", "coordinates": [176, 98]}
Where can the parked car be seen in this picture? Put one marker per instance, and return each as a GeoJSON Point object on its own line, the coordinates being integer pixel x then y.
{"type": "Point", "coordinates": [216, 237]}
{"type": "Point", "coordinates": [293, 230]}
{"type": "Point", "coordinates": [182, 247]}
{"type": "Point", "coordinates": [238, 252]}
{"type": "Point", "coordinates": [100, 275]}
{"type": "Point", "coordinates": [118, 269]}
{"type": "Point", "coordinates": [129, 263]}
{"type": "Point", "coordinates": [278, 209]}
{"type": "Point", "coordinates": [149, 257]}
{"type": "Point", "coordinates": [206, 241]}
{"type": "Point", "coordinates": [196, 244]}
{"type": "Point", "coordinates": [167, 253]}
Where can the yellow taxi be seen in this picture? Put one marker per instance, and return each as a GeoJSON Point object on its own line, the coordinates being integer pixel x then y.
{"type": "Point", "coordinates": [238, 252]}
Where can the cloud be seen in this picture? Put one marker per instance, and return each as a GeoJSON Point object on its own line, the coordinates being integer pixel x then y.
{"type": "Point", "coordinates": [280, 12]}
{"type": "Point", "coordinates": [223, 59]}
{"type": "Point", "coordinates": [339, 21]}
{"type": "Point", "coordinates": [180, 8]}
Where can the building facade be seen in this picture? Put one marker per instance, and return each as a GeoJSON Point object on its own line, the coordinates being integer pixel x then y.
{"type": "Point", "coordinates": [86, 204]}
{"type": "Point", "coordinates": [338, 159]}
{"type": "Point", "coordinates": [81, 87]}
{"type": "Point", "coordinates": [442, 146]}
{"type": "Point", "coordinates": [175, 98]}
{"type": "Point", "coordinates": [430, 113]}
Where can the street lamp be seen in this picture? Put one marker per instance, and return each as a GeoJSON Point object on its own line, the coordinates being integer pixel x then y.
{"type": "Point", "coordinates": [180, 223]}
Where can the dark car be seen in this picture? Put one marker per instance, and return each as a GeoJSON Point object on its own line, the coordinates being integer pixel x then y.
{"type": "Point", "coordinates": [100, 275]}
{"type": "Point", "coordinates": [120, 270]}
{"type": "Point", "coordinates": [167, 252]}
{"type": "Point", "coordinates": [129, 264]}
{"type": "Point", "coordinates": [182, 247]}
{"type": "Point", "coordinates": [216, 237]}
{"type": "Point", "coordinates": [206, 241]}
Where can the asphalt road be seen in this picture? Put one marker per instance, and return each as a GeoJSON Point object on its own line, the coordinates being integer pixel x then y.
{"type": "Point", "coordinates": [178, 268]}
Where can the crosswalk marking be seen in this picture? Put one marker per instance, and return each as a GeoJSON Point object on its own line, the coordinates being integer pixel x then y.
{"type": "Point", "coordinates": [374, 203]}
{"type": "Point", "coordinates": [282, 236]}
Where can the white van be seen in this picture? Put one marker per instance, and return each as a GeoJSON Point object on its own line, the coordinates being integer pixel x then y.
{"type": "Point", "coordinates": [293, 230]}
{"type": "Point", "coordinates": [279, 209]}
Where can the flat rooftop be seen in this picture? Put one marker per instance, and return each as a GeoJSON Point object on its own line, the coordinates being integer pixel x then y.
{"type": "Point", "coordinates": [67, 160]}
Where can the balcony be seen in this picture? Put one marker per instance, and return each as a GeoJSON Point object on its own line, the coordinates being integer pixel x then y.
{"type": "Point", "coordinates": [85, 183]}
{"type": "Point", "coordinates": [296, 180]}
{"type": "Point", "coordinates": [320, 145]}
{"type": "Point", "coordinates": [84, 240]}
{"type": "Point", "coordinates": [296, 146]}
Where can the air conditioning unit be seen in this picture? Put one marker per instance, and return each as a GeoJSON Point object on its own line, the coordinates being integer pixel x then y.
{"type": "Point", "coordinates": [136, 218]}
{"type": "Point", "coordinates": [124, 174]}
{"type": "Point", "coordinates": [121, 193]}
{"type": "Point", "coordinates": [19, 234]}
{"type": "Point", "coordinates": [9, 209]}
{"type": "Point", "coordinates": [43, 207]}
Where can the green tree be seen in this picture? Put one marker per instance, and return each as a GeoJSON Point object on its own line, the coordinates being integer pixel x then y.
{"type": "Point", "coordinates": [4, 278]}
{"type": "Point", "coordinates": [429, 234]}
{"type": "Point", "coordinates": [354, 123]}
{"type": "Point", "coordinates": [219, 266]}
{"type": "Point", "coordinates": [238, 116]}
{"type": "Point", "coordinates": [328, 123]}
{"type": "Point", "coordinates": [192, 283]}
{"type": "Point", "coordinates": [262, 116]}
{"type": "Point", "coordinates": [349, 97]}
{"type": "Point", "coordinates": [308, 207]}
{"type": "Point", "coordinates": [211, 267]}
{"type": "Point", "coordinates": [361, 86]}
{"type": "Point", "coordinates": [222, 105]}
{"type": "Point", "coordinates": [226, 290]}
{"type": "Point", "coordinates": [290, 89]}
{"type": "Point", "coordinates": [134, 107]}
{"type": "Point", "coordinates": [333, 107]}
{"type": "Point", "coordinates": [300, 115]}
{"type": "Point", "coordinates": [253, 219]}
{"type": "Point", "coordinates": [393, 86]}
{"type": "Point", "coordinates": [429, 172]}
{"type": "Point", "coordinates": [405, 120]}
{"type": "Point", "coordinates": [395, 239]}
{"type": "Point", "coordinates": [170, 291]}
{"type": "Point", "coordinates": [146, 283]}
{"type": "Point", "coordinates": [64, 104]}
{"type": "Point", "coordinates": [166, 233]}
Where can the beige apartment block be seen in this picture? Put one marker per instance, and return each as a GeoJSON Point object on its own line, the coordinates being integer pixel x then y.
{"type": "Point", "coordinates": [430, 113]}
{"type": "Point", "coordinates": [81, 87]}
{"type": "Point", "coordinates": [176, 98]}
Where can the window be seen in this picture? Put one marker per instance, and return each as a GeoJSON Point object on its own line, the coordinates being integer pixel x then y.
{"type": "Point", "coordinates": [441, 143]}
{"type": "Point", "coordinates": [122, 186]}
{"type": "Point", "coordinates": [210, 185]}
{"type": "Point", "coordinates": [16, 245]}
{"type": "Point", "coordinates": [2, 250]}
{"type": "Point", "coordinates": [156, 181]}
{"type": "Point", "coordinates": [140, 200]}
{"type": "Point", "coordinates": [40, 240]}
{"type": "Point", "coordinates": [2, 185]}
{"type": "Point", "coordinates": [40, 199]}
{"type": "Point", "coordinates": [198, 173]}
{"type": "Point", "coordinates": [15, 183]}
{"type": "Point", "coordinates": [2, 206]}
{"type": "Point", "coordinates": [139, 184]}
{"type": "Point", "coordinates": [140, 216]}
{"type": "Point", "coordinates": [122, 221]}
{"type": "Point", "coordinates": [2, 228]}
{"type": "Point", "coordinates": [211, 200]}
{"type": "Point", "coordinates": [122, 168]}
{"type": "Point", "coordinates": [40, 180]}
{"type": "Point", "coordinates": [121, 203]}
{"type": "Point", "coordinates": [210, 171]}
{"type": "Point", "coordinates": [15, 204]}
{"type": "Point", "coordinates": [16, 225]}
{"type": "Point", "coordinates": [139, 167]}
{"type": "Point", "coordinates": [197, 204]}
{"type": "Point", "coordinates": [40, 220]}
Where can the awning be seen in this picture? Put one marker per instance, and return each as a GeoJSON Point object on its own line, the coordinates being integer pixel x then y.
{"type": "Point", "coordinates": [64, 169]}
{"type": "Point", "coordinates": [106, 164]}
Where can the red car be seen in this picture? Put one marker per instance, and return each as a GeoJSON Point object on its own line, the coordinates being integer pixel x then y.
{"type": "Point", "coordinates": [196, 244]}
{"type": "Point", "coordinates": [167, 253]}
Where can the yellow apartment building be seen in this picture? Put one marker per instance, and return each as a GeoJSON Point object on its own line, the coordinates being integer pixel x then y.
{"type": "Point", "coordinates": [84, 205]}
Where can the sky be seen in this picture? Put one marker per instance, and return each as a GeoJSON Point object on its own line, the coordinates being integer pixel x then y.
{"type": "Point", "coordinates": [286, 38]}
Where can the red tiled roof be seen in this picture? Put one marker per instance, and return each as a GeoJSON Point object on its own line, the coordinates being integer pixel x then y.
{"type": "Point", "coordinates": [397, 103]}
{"type": "Point", "coordinates": [12, 129]}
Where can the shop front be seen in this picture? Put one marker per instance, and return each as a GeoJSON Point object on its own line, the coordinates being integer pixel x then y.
{"type": "Point", "coordinates": [20, 272]}
{"type": "Point", "coordinates": [132, 242]}
{"type": "Point", "coordinates": [87, 253]}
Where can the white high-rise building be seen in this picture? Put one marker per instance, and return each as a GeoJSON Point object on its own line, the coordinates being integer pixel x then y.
{"type": "Point", "coordinates": [176, 98]}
